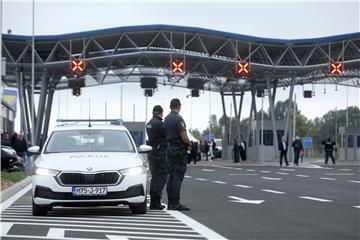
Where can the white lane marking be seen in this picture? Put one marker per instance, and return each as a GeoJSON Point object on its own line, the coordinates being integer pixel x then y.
{"type": "Point", "coordinates": [344, 169]}
{"type": "Point", "coordinates": [330, 179]}
{"type": "Point", "coordinates": [339, 174]}
{"type": "Point", "coordinates": [116, 237]}
{"type": "Point", "coordinates": [243, 200]}
{"type": "Point", "coordinates": [43, 237]}
{"type": "Point", "coordinates": [15, 197]}
{"type": "Point", "coordinates": [356, 206]}
{"type": "Point", "coordinates": [287, 169]}
{"type": "Point", "coordinates": [219, 182]}
{"type": "Point", "coordinates": [282, 173]}
{"type": "Point", "coordinates": [201, 179]}
{"type": "Point", "coordinates": [265, 171]}
{"type": "Point", "coordinates": [110, 228]}
{"type": "Point", "coordinates": [238, 168]}
{"type": "Point", "coordinates": [272, 191]}
{"type": "Point", "coordinates": [268, 178]}
{"type": "Point", "coordinates": [208, 170]}
{"type": "Point", "coordinates": [250, 170]}
{"type": "Point", "coordinates": [354, 181]}
{"type": "Point", "coordinates": [196, 226]}
{"type": "Point", "coordinates": [186, 176]}
{"type": "Point", "coordinates": [316, 199]}
{"type": "Point", "coordinates": [235, 174]}
{"type": "Point", "coordinates": [242, 186]}
{"type": "Point", "coordinates": [56, 233]}
{"type": "Point", "coordinates": [5, 227]}
{"type": "Point", "coordinates": [300, 175]}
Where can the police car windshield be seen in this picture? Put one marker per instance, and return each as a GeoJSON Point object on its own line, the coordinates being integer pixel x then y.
{"type": "Point", "coordinates": [89, 141]}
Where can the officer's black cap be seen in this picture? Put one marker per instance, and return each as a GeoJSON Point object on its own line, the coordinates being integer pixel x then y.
{"type": "Point", "coordinates": [175, 103]}
{"type": "Point", "coordinates": [157, 109]}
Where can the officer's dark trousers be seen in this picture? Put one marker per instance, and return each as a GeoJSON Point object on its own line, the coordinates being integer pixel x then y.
{"type": "Point", "coordinates": [177, 168]}
{"type": "Point", "coordinates": [283, 154]}
{"type": "Point", "coordinates": [236, 155]}
{"type": "Point", "coordinates": [327, 155]}
{"type": "Point", "coordinates": [158, 168]}
{"type": "Point", "coordinates": [296, 157]}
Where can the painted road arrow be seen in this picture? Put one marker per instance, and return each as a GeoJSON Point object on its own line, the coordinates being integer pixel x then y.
{"type": "Point", "coordinates": [243, 200]}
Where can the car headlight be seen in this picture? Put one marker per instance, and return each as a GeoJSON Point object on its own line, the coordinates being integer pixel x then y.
{"type": "Point", "coordinates": [133, 170]}
{"type": "Point", "coordinates": [45, 172]}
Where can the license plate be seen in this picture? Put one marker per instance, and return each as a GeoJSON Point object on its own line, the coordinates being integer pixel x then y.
{"type": "Point", "coordinates": [89, 191]}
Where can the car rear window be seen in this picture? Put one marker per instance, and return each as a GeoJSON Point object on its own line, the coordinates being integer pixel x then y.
{"type": "Point", "coordinates": [89, 141]}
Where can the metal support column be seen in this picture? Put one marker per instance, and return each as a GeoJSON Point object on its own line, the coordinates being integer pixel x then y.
{"type": "Point", "coordinates": [286, 134]}
{"type": "Point", "coordinates": [49, 102]}
{"type": "Point", "coordinates": [226, 139]}
{"type": "Point", "coordinates": [272, 113]}
{"type": "Point", "coordinates": [21, 97]}
{"type": "Point", "coordinates": [252, 109]}
{"type": "Point", "coordinates": [26, 105]}
{"type": "Point", "coordinates": [274, 91]}
{"type": "Point", "coordinates": [237, 122]}
{"type": "Point", "coordinates": [41, 108]}
{"type": "Point", "coordinates": [29, 97]}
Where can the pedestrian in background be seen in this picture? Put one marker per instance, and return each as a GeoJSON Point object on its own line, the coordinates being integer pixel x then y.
{"type": "Point", "coordinates": [20, 145]}
{"type": "Point", "coordinates": [283, 148]}
{"type": "Point", "coordinates": [213, 146]}
{"type": "Point", "coordinates": [236, 150]}
{"type": "Point", "coordinates": [242, 148]}
{"type": "Point", "coordinates": [194, 150]}
{"type": "Point", "coordinates": [206, 148]}
{"type": "Point", "coordinates": [297, 146]}
{"type": "Point", "coordinates": [157, 157]}
{"type": "Point", "coordinates": [329, 149]}
{"type": "Point", "coordinates": [178, 144]}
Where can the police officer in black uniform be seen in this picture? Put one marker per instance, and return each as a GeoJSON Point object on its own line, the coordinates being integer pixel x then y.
{"type": "Point", "coordinates": [329, 149]}
{"type": "Point", "coordinates": [178, 144]}
{"type": "Point", "coordinates": [157, 157]}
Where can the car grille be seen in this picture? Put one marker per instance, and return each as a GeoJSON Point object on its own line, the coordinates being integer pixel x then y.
{"type": "Point", "coordinates": [107, 178]}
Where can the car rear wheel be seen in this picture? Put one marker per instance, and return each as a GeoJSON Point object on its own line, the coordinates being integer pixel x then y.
{"type": "Point", "coordinates": [139, 208]}
{"type": "Point", "coordinates": [38, 210]}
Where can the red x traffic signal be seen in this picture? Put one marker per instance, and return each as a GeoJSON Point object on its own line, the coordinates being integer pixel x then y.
{"type": "Point", "coordinates": [78, 65]}
{"type": "Point", "coordinates": [177, 66]}
{"type": "Point", "coordinates": [336, 68]}
{"type": "Point", "coordinates": [242, 68]}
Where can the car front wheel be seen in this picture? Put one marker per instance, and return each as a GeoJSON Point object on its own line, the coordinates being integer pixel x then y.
{"type": "Point", "coordinates": [38, 210]}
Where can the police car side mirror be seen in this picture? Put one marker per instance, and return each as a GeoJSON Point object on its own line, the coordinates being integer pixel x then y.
{"type": "Point", "coordinates": [144, 148]}
{"type": "Point", "coordinates": [34, 149]}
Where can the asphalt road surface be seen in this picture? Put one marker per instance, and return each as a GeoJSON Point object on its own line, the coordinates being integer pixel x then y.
{"type": "Point", "coordinates": [226, 202]}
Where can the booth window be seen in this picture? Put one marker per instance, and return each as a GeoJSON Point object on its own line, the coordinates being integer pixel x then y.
{"type": "Point", "coordinates": [358, 141]}
{"type": "Point", "coordinates": [268, 137]}
{"type": "Point", "coordinates": [350, 141]}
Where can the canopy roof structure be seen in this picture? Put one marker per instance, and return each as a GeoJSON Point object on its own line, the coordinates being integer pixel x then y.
{"type": "Point", "coordinates": [125, 54]}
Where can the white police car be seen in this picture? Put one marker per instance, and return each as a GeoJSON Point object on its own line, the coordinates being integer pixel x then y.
{"type": "Point", "coordinates": [89, 166]}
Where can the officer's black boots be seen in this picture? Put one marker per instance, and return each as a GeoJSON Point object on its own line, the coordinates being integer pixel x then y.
{"type": "Point", "coordinates": [176, 205]}
{"type": "Point", "coordinates": [156, 205]}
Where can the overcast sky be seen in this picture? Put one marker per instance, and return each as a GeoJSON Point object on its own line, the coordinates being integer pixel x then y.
{"type": "Point", "coordinates": [272, 19]}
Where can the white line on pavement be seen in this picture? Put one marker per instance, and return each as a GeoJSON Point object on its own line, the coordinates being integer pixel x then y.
{"type": "Point", "coordinates": [219, 182]}
{"type": "Point", "coordinates": [354, 181]}
{"type": "Point", "coordinates": [339, 174]}
{"type": "Point", "coordinates": [186, 176]}
{"type": "Point", "coordinates": [250, 170]}
{"type": "Point", "coordinates": [272, 191]}
{"type": "Point", "coordinates": [282, 173]}
{"type": "Point", "coordinates": [287, 169]}
{"type": "Point", "coordinates": [268, 178]}
{"type": "Point", "coordinates": [265, 171]}
{"type": "Point", "coordinates": [344, 169]}
{"type": "Point", "coordinates": [201, 179]}
{"type": "Point", "coordinates": [198, 227]}
{"type": "Point", "coordinates": [238, 168]}
{"type": "Point", "coordinates": [242, 186]}
{"type": "Point", "coordinates": [208, 170]}
{"type": "Point", "coordinates": [15, 197]}
{"type": "Point", "coordinates": [5, 227]}
{"type": "Point", "coordinates": [316, 199]}
{"type": "Point", "coordinates": [299, 175]}
{"type": "Point", "coordinates": [330, 179]}
{"type": "Point", "coordinates": [56, 233]}
{"type": "Point", "coordinates": [356, 206]}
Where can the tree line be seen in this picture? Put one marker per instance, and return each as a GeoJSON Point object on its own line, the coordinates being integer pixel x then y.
{"type": "Point", "coordinates": [319, 128]}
